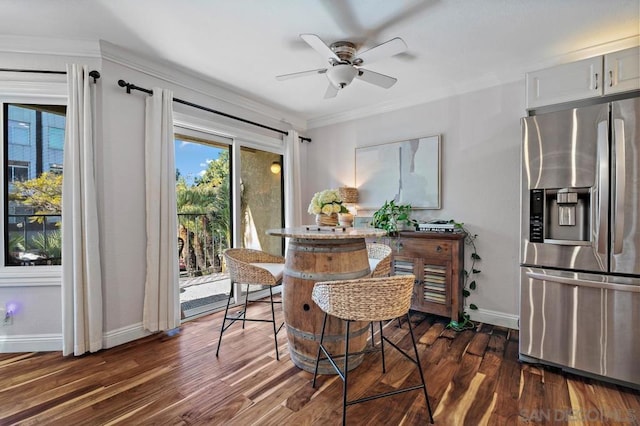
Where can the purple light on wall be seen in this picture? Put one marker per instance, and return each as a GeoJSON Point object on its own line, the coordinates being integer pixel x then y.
{"type": "Point", "coordinates": [12, 308]}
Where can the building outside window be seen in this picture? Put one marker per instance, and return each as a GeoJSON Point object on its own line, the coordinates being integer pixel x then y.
{"type": "Point", "coordinates": [33, 152]}
{"type": "Point", "coordinates": [18, 171]}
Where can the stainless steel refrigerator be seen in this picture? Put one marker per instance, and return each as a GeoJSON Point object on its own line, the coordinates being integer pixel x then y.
{"type": "Point", "coordinates": [580, 248]}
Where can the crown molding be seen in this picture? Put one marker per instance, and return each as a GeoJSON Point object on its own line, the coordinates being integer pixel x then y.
{"type": "Point", "coordinates": [584, 53]}
{"type": "Point", "coordinates": [188, 79]}
{"type": "Point", "coordinates": [49, 46]}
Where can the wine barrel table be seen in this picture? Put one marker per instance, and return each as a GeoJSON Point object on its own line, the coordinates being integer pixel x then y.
{"type": "Point", "coordinates": [321, 254]}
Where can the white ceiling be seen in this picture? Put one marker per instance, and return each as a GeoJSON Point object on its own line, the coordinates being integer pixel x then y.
{"type": "Point", "coordinates": [454, 45]}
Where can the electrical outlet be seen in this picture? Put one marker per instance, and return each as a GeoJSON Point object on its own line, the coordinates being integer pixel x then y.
{"type": "Point", "coordinates": [6, 317]}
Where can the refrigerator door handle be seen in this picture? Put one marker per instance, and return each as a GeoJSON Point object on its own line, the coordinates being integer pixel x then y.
{"type": "Point", "coordinates": [618, 213]}
{"type": "Point", "coordinates": [602, 192]}
{"type": "Point", "coordinates": [583, 282]}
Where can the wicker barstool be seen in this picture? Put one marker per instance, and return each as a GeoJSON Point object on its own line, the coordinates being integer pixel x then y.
{"type": "Point", "coordinates": [371, 300]}
{"type": "Point", "coordinates": [379, 259]}
{"type": "Point", "coordinates": [252, 267]}
{"type": "Point", "coordinates": [380, 262]}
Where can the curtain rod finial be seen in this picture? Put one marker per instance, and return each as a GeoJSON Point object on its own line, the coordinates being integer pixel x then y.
{"type": "Point", "coordinates": [123, 83]}
{"type": "Point", "coordinates": [95, 75]}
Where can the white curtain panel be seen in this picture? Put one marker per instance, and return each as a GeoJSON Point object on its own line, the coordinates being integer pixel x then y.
{"type": "Point", "coordinates": [161, 294]}
{"type": "Point", "coordinates": [81, 274]}
{"type": "Point", "coordinates": [292, 190]}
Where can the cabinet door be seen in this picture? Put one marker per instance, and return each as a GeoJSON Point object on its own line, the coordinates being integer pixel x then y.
{"type": "Point", "coordinates": [564, 83]}
{"type": "Point", "coordinates": [622, 71]}
{"type": "Point", "coordinates": [430, 261]}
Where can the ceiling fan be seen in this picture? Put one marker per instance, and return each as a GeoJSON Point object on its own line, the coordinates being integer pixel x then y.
{"type": "Point", "coordinates": [346, 63]}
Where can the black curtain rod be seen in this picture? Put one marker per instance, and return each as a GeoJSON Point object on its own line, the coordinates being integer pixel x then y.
{"type": "Point", "coordinates": [93, 74]}
{"type": "Point", "coordinates": [130, 87]}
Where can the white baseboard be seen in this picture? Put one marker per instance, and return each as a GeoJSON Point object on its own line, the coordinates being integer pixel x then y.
{"type": "Point", "coordinates": [31, 343]}
{"type": "Point", "coordinates": [124, 335]}
{"type": "Point", "coordinates": [495, 318]}
{"type": "Point", "coordinates": [53, 342]}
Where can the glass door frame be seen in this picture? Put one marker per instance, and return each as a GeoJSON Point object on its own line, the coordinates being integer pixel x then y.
{"type": "Point", "coordinates": [236, 232]}
{"type": "Point", "coordinates": [237, 139]}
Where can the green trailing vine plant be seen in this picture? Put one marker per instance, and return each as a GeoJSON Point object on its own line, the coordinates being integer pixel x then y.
{"type": "Point", "coordinates": [469, 277]}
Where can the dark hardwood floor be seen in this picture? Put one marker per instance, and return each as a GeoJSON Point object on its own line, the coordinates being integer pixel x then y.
{"type": "Point", "coordinates": [473, 378]}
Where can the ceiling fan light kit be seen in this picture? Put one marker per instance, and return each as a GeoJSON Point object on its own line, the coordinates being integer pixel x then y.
{"type": "Point", "coordinates": [341, 75]}
{"type": "Point", "coordinates": [346, 64]}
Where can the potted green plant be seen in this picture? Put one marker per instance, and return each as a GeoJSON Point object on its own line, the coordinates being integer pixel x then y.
{"type": "Point", "coordinates": [392, 217]}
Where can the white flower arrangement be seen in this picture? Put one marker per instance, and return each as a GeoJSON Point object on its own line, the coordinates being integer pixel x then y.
{"type": "Point", "coordinates": [326, 202]}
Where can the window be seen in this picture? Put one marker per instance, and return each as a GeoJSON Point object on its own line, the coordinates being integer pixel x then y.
{"type": "Point", "coordinates": [18, 171]}
{"type": "Point", "coordinates": [203, 197]}
{"type": "Point", "coordinates": [33, 153]}
{"type": "Point", "coordinates": [19, 132]}
{"type": "Point", "coordinates": [56, 138]}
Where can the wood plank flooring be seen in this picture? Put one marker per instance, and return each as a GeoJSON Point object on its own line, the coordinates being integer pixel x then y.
{"type": "Point", "coordinates": [473, 378]}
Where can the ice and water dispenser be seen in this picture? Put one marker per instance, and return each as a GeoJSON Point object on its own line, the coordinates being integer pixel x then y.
{"type": "Point", "coordinates": [559, 215]}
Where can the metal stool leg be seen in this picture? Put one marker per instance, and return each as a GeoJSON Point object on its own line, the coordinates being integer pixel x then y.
{"type": "Point", "coordinates": [415, 348]}
{"type": "Point", "coordinates": [315, 371]}
{"type": "Point", "coordinates": [346, 370]}
{"type": "Point", "coordinates": [273, 318]}
{"type": "Point", "coordinates": [384, 368]}
{"type": "Point", "coordinates": [246, 303]}
{"type": "Point", "coordinates": [373, 341]}
{"type": "Point", "coordinates": [224, 319]}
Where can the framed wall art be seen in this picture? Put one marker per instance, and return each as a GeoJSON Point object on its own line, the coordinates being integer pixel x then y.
{"type": "Point", "coordinates": [407, 172]}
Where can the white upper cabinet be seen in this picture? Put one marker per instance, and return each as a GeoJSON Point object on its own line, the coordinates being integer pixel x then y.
{"type": "Point", "coordinates": [608, 74]}
{"type": "Point", "coordinates": [564, 83]}
{"type": "Point", "coordinates": [622, 71]}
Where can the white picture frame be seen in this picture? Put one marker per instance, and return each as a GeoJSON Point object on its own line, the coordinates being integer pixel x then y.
{"type": "Point", "coordinates": [407, 172]}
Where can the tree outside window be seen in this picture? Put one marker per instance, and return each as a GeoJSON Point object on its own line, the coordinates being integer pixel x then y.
{"type": "Point", "coordinates": [33, 183]}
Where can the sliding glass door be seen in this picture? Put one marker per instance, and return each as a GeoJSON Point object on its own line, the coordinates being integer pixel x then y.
{"type": "Point", "coordinates": [204, 221]}
{"type": "Point", "coordinates": [262, 196]}
{"type": "Point", "coordinates": [204, 176]}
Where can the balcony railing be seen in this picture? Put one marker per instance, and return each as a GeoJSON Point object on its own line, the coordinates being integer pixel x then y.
{"type": "Point", "coordinates": [201, 242]}
{"type": "Point", "coordinates": [34, 239]}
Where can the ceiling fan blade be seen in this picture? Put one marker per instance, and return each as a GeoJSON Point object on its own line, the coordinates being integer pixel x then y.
{"type": "Point", "coordinates": [300, 74]}
{"type": "Point", "coordinates": [331, 92]}
{"type": "Point", "coordinates": [384, 50]}
{"type": "Point", "coordinates": [319, 46]}
{"type": "Point", "coordinates": [376, 78]}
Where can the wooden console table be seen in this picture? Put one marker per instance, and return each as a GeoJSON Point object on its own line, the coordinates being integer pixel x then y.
{"type": "Point", "coordinates": [437, 261]}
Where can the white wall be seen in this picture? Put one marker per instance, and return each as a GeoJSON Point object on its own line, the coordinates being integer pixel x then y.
{"type": "Point", "coordinates": [480, 176]}
{"type": "Point", "coordinates": [120, 187]}
{"type": "Point", "coordinates": [480, 147]}
{"type": "Point", "coordinates": [35, 292]}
